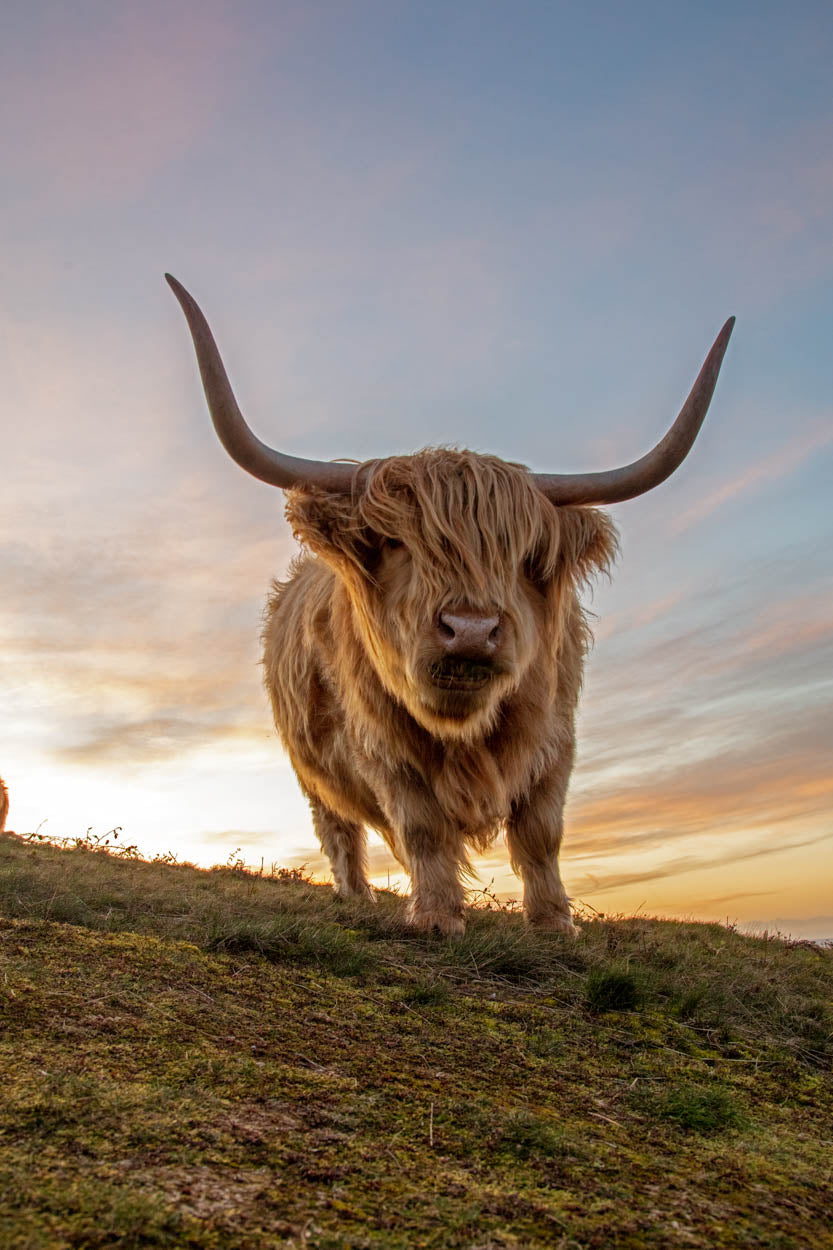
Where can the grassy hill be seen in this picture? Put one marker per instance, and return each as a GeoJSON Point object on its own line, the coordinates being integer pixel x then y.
{"type": "Point", "coordinates": [218, 1059]}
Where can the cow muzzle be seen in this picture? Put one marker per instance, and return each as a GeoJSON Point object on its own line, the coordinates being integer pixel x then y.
{"type": "Point", "coordinates": [469, 644]}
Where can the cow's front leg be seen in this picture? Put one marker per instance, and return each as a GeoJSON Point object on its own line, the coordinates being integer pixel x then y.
{"type": "Point", "coordinates": [430, 847]}
{"type": "Point", "coordinates": [534, 831]}
{"type": "Point", "coordinates": [436, 888]}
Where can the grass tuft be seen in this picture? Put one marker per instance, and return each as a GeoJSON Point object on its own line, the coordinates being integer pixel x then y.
{"type": "Point", "coordinates": [426, 994]}
{"type": "Point", "coordinates": [291, 940]}
{"type": "Point", "coordinates": [611, 990]}
{"type": "Point", "coordinates": [701, 1110]}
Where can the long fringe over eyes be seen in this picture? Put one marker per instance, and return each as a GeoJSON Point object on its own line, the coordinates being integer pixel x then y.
{"type": "Point", "coordinates": [469, 515]}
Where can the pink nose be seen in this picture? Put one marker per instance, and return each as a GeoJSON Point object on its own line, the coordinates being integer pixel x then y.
{"type": "Point", "coordinates": [468, 634]}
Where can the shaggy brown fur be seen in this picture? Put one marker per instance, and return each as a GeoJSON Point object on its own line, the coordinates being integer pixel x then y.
{"type": "Point", "coordinates": [350, 640]}
{"type": "Point", "coordinates": [4, 804]}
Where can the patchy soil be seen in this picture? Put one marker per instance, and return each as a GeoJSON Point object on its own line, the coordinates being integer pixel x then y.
{"type": "Point", "coordinates": [261, 1086]}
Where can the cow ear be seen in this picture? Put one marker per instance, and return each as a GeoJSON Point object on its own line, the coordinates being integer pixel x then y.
{"type": "Point", "coordinates": [588, 541]}
{"type": "Point", "coordinates": [326, 523]}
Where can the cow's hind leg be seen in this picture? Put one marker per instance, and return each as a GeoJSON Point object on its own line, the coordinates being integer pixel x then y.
{"type": "Point", "coordinates": [533, 834]}
{"type": "Point", "coordinates": [344, 842]}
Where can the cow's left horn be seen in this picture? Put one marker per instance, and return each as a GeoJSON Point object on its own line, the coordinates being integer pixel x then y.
{"type": "Point", "coordinates": [634, 479]}
{"type": "Point", "coordinates": [241, 444]}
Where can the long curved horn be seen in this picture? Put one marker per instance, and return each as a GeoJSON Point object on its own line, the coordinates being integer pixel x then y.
{"type": "Point", "coordinates": [642, 475]}
{"type": "Point", "coordinates": [241, 444]}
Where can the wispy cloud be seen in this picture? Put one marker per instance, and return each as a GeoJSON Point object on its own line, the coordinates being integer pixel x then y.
{"type": "Point", "coordinates": [153, 739]}
{"type": "Point", "coordinates": [755, 476]}
{"type": "Point", "coordinates": [597, 883]}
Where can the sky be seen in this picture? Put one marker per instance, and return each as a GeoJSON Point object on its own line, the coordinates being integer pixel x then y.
{"type": "Point", "coordinates": [513, 227]}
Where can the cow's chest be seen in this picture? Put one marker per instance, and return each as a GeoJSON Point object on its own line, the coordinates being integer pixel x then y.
{"type": "Point", "coordinates": [469, 787]}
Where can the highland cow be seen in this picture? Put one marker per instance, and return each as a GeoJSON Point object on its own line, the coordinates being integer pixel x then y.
{"type": "Point", "coordinates": [424, 657]}
{"type": "Point", "coordinates": [4, 804]}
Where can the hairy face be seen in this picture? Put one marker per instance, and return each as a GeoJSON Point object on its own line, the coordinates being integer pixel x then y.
{"type": "Point", "coordinates": [455, 690]}
{"type": "Point", "coordinates": [459, 573]}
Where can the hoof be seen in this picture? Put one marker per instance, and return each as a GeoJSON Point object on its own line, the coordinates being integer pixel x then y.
{"type": "Point", "coordinates": [425, 920]}
{"type": "Point", "coordinates": [553, 922]}
{"type": "Point", "coordinates": [348, 894]}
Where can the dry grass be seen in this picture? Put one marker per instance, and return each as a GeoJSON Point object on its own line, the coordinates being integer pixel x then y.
{"type": "Point", "coordinates": [224, 1059]}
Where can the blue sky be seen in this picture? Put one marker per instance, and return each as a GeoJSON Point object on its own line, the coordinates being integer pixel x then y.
{"type": "Point", "coordinates": [512, 227]}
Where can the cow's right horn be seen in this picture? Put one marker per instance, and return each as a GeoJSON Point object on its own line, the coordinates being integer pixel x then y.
{"type": "Point", "coordinates": [239, 441]}
{"type": "Point", "coordinates": [614, 485]}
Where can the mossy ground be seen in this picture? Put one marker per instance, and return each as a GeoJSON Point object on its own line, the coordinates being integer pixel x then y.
{"type": "Point", "coordinates": [215, 1059]}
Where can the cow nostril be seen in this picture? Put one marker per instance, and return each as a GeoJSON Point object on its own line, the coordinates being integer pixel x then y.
{"type": "Point", "coordinates": [444, 629]}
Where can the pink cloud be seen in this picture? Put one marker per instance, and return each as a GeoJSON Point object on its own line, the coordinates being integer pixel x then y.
{"type": "Point", "coordinates": [780, 464]}
{"type": "Point", "coordinates": [103, 107]}
{"type": "Point", "coordinates": [636, 620]}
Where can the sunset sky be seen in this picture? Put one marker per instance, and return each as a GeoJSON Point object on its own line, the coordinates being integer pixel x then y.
{"type": "Point", "coordinates": [510, 226]}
